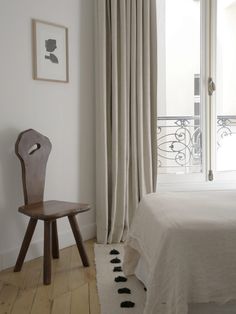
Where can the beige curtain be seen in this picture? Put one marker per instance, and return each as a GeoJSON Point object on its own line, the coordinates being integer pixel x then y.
{"type": "Point", "coordinates": [125, 112]}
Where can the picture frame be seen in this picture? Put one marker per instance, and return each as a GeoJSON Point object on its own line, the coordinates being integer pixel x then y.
{"type": "Point", "coordinates": [50, 51]}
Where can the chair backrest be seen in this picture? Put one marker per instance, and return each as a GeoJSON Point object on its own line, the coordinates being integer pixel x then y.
{"type": "Point", "coordinates": [33, 150]}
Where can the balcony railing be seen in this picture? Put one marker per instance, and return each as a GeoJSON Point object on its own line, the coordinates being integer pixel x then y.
{"type": "Point", "coordinates": [226, 126]}
{"type": "Point", "coordinates": [180, 141]}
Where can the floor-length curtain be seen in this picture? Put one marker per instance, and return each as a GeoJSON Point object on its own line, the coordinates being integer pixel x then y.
{"type": "Point", "coordinates": [125, 48]}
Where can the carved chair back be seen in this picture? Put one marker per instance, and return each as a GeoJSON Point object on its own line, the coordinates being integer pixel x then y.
{"type": "Point", "coordinates": [33, 150]}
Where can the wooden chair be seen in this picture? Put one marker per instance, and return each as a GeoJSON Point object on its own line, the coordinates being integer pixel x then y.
{"type": "Point", "coordinates": [33, 150]}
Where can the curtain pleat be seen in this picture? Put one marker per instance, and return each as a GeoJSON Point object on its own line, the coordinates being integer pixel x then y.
{"type": "Point", "coordinates": [102, 125]}
{"type": "Point", "coordinates": [125, 112]}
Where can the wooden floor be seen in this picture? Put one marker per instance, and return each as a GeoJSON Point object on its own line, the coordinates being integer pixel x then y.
{"type": "Point", "coordinates": [73, 288]}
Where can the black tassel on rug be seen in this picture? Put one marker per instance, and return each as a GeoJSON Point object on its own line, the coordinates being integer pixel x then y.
{"type": "Point", "coordinates": [114, 252]}
{"type": "Point", "coordinates": [115, 261]}
{"type": "Point", "coordinates": [127, 304]}
{"type": "Point", "coordinates": [124, 290]}
{"type": "Point", "coordinates": [117, 269]}
{"type": "Point", "coordinates": [120, 279]}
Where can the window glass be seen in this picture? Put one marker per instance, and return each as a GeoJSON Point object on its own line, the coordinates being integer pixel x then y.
{"type": "Point", "coordinates": [226, 86]}
{"type": "Point", "coordinates": [179, 103]}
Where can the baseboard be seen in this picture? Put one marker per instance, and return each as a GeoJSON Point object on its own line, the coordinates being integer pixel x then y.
{"type": "Point", "coordinates": [8, 258]}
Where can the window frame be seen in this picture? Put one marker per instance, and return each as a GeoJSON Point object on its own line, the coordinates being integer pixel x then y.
{"type": "Point", "coordinates": [199, 181]}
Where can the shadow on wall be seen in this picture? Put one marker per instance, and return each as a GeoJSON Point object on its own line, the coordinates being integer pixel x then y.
{"type": "Point", "coordinates": [12, 224]}
{"type": "Point", "coordinates": [10, 171]}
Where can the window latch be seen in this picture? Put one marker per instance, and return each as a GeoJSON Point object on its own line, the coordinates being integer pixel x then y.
{"type": "Point", "coordinates": [211, 86]}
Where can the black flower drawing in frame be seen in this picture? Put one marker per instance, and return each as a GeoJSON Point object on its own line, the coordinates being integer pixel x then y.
{"type": "Point", "coordinates": [51, 45]}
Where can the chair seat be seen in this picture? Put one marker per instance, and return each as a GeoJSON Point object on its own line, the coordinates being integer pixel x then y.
{"type": "Point", "coordinates": [49, 210]}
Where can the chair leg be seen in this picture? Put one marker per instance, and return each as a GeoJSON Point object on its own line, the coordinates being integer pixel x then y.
{"type": "Point", "coordinates": [25, 244]}
{"type": "Point", "coordinates": [55, 245]}
{"type": "Point", "coordinates": [47, 253]}
{"type": "Point", "coordinates": [79, 240]}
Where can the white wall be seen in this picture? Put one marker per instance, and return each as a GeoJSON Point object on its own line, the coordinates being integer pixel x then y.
{"type": "Point", "coordinates": [63, 112]}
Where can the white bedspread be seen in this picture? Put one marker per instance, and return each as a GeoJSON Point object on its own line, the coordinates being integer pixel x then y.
{"type": "Point", "coordinates": [188, 240]}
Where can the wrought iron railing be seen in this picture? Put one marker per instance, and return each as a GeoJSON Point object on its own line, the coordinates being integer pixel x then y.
{"type": "Point", "coordinates": [180, 141]}
{"type": "Point", "coordinates": [226, 126]}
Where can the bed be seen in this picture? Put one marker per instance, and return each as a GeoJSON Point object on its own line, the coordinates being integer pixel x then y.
{"type": "Point", "coordinates": [182, 246]}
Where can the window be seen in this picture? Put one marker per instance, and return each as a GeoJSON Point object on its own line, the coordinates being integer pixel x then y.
{"type": "Point", "coordinates": [225, 102]}
{"type": "Point", "coordinates": [196, 125]}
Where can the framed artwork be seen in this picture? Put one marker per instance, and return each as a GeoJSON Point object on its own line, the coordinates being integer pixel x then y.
{"type": "Point", "coordinates": [50, 52]}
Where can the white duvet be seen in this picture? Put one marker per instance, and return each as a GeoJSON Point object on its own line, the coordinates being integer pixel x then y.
{"type": "Point", "coordinates": [188, 241]}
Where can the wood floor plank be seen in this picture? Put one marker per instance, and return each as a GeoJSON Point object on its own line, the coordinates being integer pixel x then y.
{"type": "Point", "coordinates": [43, 297]}
{"type": "Point", "coordinates": [61, 275]}
{"type": "Point", "coordinates": [14, 279]}
{"type": "Point", "coordinates": [93, 294]}
{"type": "Point", "coordinates": [43, 300]}
{"type": "Point", "coordinates": [93, 298]}
{"type": "Point", "coordinates": [73, 289]}
{"type": "Point", "coordinates": [33, 273]}
{"type": "Point", "coordinates": [77, 275]}
{"type": "Point", "coordinates": [1, 285]}
{"type": "Point", "coordinates": [8, 295]}
{"type": "Point", "coordinates": [24, 300]}
{"type": "Point", "coordinates": [91, 271]}
{"type": "Point", "coordinates": [61, 304]}
{"type": "Point", "coordinates": [80, 300]}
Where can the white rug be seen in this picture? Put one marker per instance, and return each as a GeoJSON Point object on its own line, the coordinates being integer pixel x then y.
{"type": "Point", "coordinates": [110, 299]}
{"type": "Point", "coordinates": [107, 288]}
